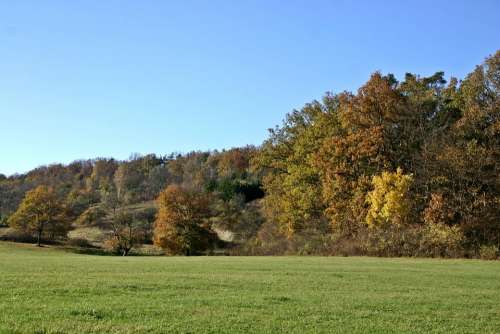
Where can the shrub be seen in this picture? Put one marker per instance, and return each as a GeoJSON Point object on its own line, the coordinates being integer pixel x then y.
{"type": "Point", "coordinates": [17, 236]}
{"type": "Point", "coordinates": [111, 244]}
{"type": "Point", "coordinates": [389, 240]}
{"type": "Point", "coordinates": [488, 252]}
{"type": "Point", "coordinates": [439, 240]}
{"type": "Point", "coordinates": [271, 240]}
{"type": "Point", "coordinates": [79, 242]}
{"type": "Point", "coordinates": [3, 221]}
{"type": "Point", "coordinates": [430, 240]}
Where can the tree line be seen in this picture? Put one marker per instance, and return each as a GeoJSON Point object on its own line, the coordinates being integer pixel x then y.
{"type": "Point", "coordinates": [398, 168]}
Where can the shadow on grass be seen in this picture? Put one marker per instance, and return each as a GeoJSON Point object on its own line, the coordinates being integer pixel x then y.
{"type": "Point", "coordinates": [88, 251]}
{"type": "Point", "coordinates": [103, 252]}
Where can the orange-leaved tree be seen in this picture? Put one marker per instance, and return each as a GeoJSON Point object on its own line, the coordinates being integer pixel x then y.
{"type": "Point", "coordinates": [182, 224]}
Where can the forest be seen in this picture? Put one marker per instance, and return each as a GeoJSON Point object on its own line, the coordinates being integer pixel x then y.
{"type": "Point", "coordinates": [407, 167]}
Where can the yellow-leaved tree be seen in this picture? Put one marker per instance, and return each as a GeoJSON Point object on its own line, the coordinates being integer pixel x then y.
{"type": "Point", "coordinates": [389, 200]}
{"type": "Point", "coordinates": [41, 214]}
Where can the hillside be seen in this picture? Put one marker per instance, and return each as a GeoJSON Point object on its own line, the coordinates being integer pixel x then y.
{"type": "Point", "coordinates": [399, 168]}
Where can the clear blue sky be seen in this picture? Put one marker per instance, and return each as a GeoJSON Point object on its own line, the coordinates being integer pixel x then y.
{"type": "Point", "coordinates": [82, 79]}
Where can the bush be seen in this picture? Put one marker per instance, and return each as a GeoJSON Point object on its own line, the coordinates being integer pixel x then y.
{"type": "Point", "coordinates": [17, 236]}
{"type": "Point", "coordinates": [111, 245]}
{"type": "Point", "coordinates": [3, 221]}
{"type": "Point", "coordinates": [439, 240]}
{"type": "Point", "coordinates": [429, 240]}
{"type": "Point", "coordinates": [270, 240]}
{"type": "Point", "coordinates": [390, 240]}
{"type": "Point", "coordinates": [488, 252]}
{"type": "Point", "coordinates": [79, 242]}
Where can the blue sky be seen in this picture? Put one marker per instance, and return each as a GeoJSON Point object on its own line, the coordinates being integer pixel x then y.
{"type": "Point", "coordinates": [93, 78]}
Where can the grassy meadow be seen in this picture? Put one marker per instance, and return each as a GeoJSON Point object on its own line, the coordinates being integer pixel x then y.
{"type": "Point", "coordinates": [51, 291]}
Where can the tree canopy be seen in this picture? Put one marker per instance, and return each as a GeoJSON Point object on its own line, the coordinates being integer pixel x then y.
{"type": "Point", "coordinates": [384, 170]}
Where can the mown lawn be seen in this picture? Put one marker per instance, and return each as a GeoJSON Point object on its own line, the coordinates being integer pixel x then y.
{"type": "Point", "coordinates": [50, 291]}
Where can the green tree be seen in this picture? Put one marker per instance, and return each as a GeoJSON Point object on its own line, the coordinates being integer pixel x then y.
{"type": "Point", "coordinates": [291, 179]}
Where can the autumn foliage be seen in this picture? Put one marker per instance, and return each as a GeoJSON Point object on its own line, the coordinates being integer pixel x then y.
{"type": "Point", "coordinates": [41, 214]}
{"type": "Point", "coordinates": [405, 167]}
{"type": "Point", "coordinates": [412, 165]}
{"type": "Point", "coordinates": [182, 225]}
{"type": "Point", "coordinates": [390, 200]}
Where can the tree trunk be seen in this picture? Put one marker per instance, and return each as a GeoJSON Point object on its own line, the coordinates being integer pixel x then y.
{"type": "Point", "coordinates": [39, 231]}
{"type": "Point", "coordinates": [39, 237]}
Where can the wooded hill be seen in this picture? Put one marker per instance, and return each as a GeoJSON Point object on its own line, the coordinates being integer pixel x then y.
{"type": "Point", "coordinates": [399, 168]}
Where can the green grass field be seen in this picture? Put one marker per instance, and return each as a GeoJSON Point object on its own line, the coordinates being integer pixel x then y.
{"type": "Point", "coordinates": [51, 291]}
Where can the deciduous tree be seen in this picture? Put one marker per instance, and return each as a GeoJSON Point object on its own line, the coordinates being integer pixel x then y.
{"type": "Point", "coordinates": [182, 225]}
{"type": "Point", "coordinates": [41, 213]}
{"type": "Point", "coordinates": [390, 200]}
